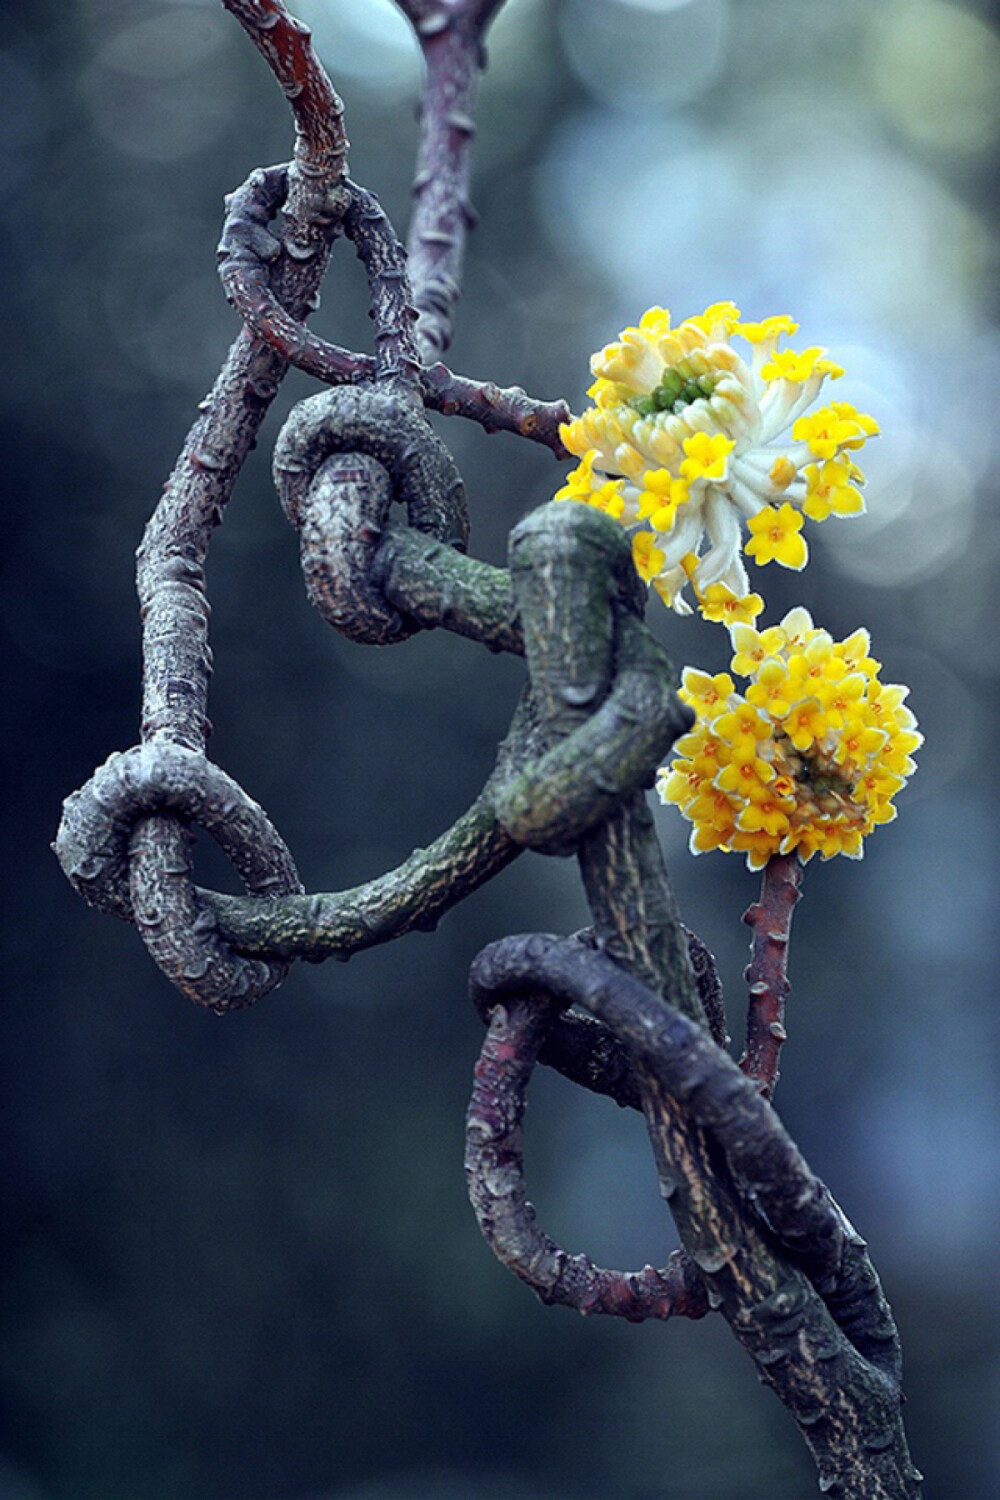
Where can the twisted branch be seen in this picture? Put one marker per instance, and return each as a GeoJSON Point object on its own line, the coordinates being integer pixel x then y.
{"type": "Point", "coordinates": [776, 1254]}
{"type": "Point", "coordinates": [246, 253]}
{"type": "Point", "coordinates": [170, 573]}
{"type": "Point", "coordinates": [763, 1240]}
{"type": "Point", "coordinates": [537, 796]}
{"type": "Point", "coordinates": [779, 1260]}
{"type": "Point", "coordinates": [495, 1175]}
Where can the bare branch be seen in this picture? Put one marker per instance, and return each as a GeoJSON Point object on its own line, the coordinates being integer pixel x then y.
{"type": "Point", "coordinates": [451, 39]}
{"type": "Point", "coordinates": [810, 1314]}
{"type": "Point", "coordinates": [170, 571]}
{"type": "Point", "coordinates": [320, 153]}
{"type": "Point", "coordinates": [494, 1171]}
{"type": "Point", "coordinates": [538, 797]}
{"type": "Point", "coordinates": [496, 408]}
{"type": "Point", "coordinates": [246, 254]}
{"type": "Point", "coordinates": [148, 887]}
{"type": "Point", "coordinates": [763, 1240]}
{"type": "Point", "coordinates": [411, 898]}
{"type": "Point", "coordinates": [767, 973]}
{"type": "Point", "coordinates": [709, 984]}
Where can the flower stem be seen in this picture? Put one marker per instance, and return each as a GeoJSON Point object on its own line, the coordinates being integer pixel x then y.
{"type": "Point", "coordinates": [770, 920]}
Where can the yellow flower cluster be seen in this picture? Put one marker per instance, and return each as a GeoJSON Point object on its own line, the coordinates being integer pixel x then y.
{"type": "Point", "coordinates": [689, 439]}
{"type": "Point", "coordinates": [808, 759]}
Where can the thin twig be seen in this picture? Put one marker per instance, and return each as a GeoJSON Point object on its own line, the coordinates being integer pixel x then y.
{"type": "Point", "coordinates": [767, 973]}
{"type": "Point", "coordinates": [451, 39]}
{"type": "Point", "coordinates": [496, 408]}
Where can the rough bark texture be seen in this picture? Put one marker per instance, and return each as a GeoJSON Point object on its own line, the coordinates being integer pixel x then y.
{"type": "Point", "coordinates": [495, 1175]}
{"type": "Point", "coordinates": [451, 39]}
{"type": "Point", "coordinates": [770, 920]}
{"type": "Point", "coordinates": [764, 1242]}
{"type": "Point", "coordinates": [778, 1258]}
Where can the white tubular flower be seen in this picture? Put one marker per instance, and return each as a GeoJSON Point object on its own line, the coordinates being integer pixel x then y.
{"type": "Point", "coordinates": [688, 439]}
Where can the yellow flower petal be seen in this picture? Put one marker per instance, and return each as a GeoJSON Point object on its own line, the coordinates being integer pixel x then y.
{"type": "Point", "coordinates": [797, 763]}
{"type": "Point", "coordinates": [775, 537]}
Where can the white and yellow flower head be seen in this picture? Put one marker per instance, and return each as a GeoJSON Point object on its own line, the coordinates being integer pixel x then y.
{"type": "Point", "coordinates": [807, 760]}
{"type": "Point", "coordinates": [691, 439]}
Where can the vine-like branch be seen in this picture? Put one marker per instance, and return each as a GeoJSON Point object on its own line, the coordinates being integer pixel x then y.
{"type": "Point", "coordinates": [831, 1354]}
{"type": "Point", "coordinates": [795, 1284]}
{"type": "Point", "coordinates": [540, 795]}
{"type": "Point", "coordinates": [763, 1241]}
{"type": "Point", "coordinates": [246, 252]}
{"type": "Point", "coordinates": [494, 1171]}
{"type": "Point", "coordinates": [170, 571]}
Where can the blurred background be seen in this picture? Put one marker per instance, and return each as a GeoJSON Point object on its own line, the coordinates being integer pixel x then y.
{"type": "Point", "coordinates": [238, 1259]}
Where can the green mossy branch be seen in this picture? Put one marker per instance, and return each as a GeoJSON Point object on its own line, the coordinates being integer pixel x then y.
{"type": "Point", "coordinates": [540, 794]}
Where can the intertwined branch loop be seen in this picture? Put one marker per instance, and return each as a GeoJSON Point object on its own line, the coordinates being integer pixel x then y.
{"type": "Point", "coordinates": [494, 1170]}
{"type": "Point", "coordinates": [790, 1273]}
{"type": "Point", "coordinates": [148, 887]}
{"type": "Point", "coordinates": [246, 255]}
{"type": "Point", "coordinates": [342, 458]}
{"type": "Point", "coordinates": [631, 1009]}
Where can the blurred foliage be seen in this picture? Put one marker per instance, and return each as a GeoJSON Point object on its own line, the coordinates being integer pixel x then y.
{"type": "Point", "coordinates": [238, 1258]}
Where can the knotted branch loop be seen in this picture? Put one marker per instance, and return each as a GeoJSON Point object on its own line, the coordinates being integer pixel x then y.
{"type": "Point", "coordinates": [390, 429]}
{"type": "Point", "coordinates": [716, 1095]}
{"type": "Point", "coordinates": [788, 1271]}
{"type": "Point", "coordinates": [589, 1054]}
{"type": "Point", "coordinates": [153, 888]}
{"type": "Point", "coordinates": [246, 252]}
{"type": "Point", "coordinates": [342, 457]}
{"type": "Point", "coordinates": [494, 1170]}
{"type": "Point", "coordinates": [620, 734]}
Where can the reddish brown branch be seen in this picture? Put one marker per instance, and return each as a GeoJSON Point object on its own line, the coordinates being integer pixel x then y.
{"type": "Point", "coordinates": [495, 1173]}
{"type": "Point", "coordinates": [320, 139]}
{"type": "Point", "coordinates": [451, 39]}
{"type": "Point", "coordinates": [766, 975]}
{"type": "Point", "coordinates": [246, 252]}
{"type": "Point", "coordinates": [496, 408]}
